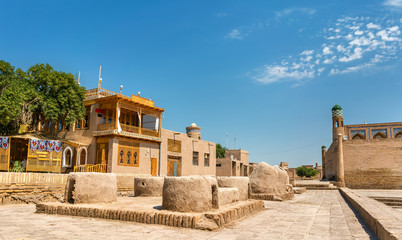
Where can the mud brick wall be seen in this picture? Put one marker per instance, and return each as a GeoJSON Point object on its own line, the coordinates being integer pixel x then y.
{"type": "Point", "coordinates": [38, 187]}
{"type": "Point", "coordinates": [374, 163]}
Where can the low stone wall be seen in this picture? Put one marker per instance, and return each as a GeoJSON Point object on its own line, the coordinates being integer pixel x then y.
{"type": "Point", "coordinates": [34, 193]}
{"type": "Point", "coordinates": [188, 194]}
{"type": "Point", "coordinates": [384, 221]}
{"type": "Point", "coordinates": [89, 187]}
{"type": "Point", "coordinates": [375, 178]}
{"type": "Point", "coordinates": [202, 221]}
{"type": "Point", "coordinates": [47, 187]}
{"type": "Point", "coordinates": [241, 183]}
{"type": "Point", "coordinates": [148, 186]}
{"type": "Point", "coordinates": [227, 196]}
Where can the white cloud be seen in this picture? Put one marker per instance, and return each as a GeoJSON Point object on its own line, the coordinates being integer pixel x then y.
{"type": "Point", "coordinates": [307, 52]}
{"type": "Point", "coordinates": [357, 54]}
{"type": "Point", "coordinates": [351, 44]}
{"type": "Point", "coordinates": [221, 14]}
{"type": "Point", "coordinates": [372, 25]}
{"type": "Point", "coordinates": [288, 11]}
{"type": "Point", "coordinates": [326, 51]}
{"type": "Point", "coordinates": [235, 34]}
{"type": "Point", "coordinates": [272, 74]}
{"type": "Point", "coordinates": [393, 3]}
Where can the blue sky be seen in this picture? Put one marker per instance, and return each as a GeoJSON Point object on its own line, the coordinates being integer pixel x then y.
{"type": "Point", "coordinates": [265, 72]}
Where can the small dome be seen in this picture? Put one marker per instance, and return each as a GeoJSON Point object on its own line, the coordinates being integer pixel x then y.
{"type": "Point", "coordinates": [193, 125]}
{"type": "Point", "coordinates": [336, 107]}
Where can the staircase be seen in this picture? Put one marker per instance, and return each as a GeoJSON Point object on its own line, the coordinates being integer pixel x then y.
{"type": "Point", "coordinates": [316, 185]}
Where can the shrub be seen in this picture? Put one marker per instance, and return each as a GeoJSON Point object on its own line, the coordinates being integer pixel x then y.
{"type": "Point", "coordinates": [306, 172]}
{"type": "Point", "coordinates": [17, 167]}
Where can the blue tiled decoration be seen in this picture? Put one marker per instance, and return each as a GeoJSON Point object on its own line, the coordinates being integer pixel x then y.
{"type": "Point", "coordinates": [397, 130]}
{"type": "Point", "coordinates": [375, 131]}
{"type": "Point", "coordinates": [354, 132]}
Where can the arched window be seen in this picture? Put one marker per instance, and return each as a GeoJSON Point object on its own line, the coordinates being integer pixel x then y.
{"type": "Point", "coordinates": [398, 135]}
{"type": "Point", "coordinates": [379, 135]}
{"type": "Point", "coordinates": [358, 136]}
{"type": "Point", "coordinates": [67, 157]}
{"type": "Point", "coordinates": [82, 156]}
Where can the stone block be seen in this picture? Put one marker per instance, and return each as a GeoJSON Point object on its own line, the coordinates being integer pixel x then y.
{"type": "Point", "coordinates": [90, 188]}
{"type": "Point", "coordinates": [241, 183]}
{"type": "Point", "coordinates": [148, 186]}
{"type": "Point", "coordinates": [227, 195]}
{"type": "Point", "coordinates": [188, 194]}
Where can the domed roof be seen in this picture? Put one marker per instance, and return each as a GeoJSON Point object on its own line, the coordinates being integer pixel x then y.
{"type": "Point", "coordinates": [336, 107]}
{"type": "Point", "coordinates": [193, 125]}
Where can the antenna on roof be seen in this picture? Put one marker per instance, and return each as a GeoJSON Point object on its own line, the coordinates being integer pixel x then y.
{"type": "Point", "coordinates": [234, 143]}
{"type": "Point", "coordinates": [100, 79]}
{"type": "Point", "coordinates": [79, 74]}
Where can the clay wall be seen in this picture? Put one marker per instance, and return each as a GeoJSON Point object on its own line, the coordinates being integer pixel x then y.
{"type": "Point", "coordinates": [188, 146]}
{"type": "Point", "coordinates": [148, 150]}
{"type": "Point", "coordinates": [223, 167]}
{"type": "Point", "coordinates": [374, 163]}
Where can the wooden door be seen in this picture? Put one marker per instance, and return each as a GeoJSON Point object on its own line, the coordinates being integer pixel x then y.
{"type": "Point", "coordinates": [174, 166]}
{"type": "Point", "coordinates": [153, 166]}
{"type": "Point", "coordinates": [102, 153]}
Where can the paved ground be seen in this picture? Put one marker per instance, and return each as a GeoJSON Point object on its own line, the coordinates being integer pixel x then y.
{"type": "Point", "coordinates": [383, 193]}
{"type": "Point", "coordinates": [312, 215]}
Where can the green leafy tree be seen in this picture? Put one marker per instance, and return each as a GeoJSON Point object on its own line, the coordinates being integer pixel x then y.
{"type": "Point", "coordinates": [11, 97]}
{"type": "Point", "coordinates": [306, 172]}
{"type": "Point", "coordinates": [220, 151]}
{"type": "Point", "coordinates": [39, 94]}
{"type": "Point", "coordinates": [56, 96]}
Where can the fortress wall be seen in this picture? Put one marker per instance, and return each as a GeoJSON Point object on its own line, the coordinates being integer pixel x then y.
{"type": "Point", "coordinates": [373, 163]}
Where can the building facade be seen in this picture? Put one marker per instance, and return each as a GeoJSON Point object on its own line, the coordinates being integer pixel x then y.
{"type": "Point", "coordinates": [235, 163]}
{"type": "Point", "coordinates": [364, 155]}
{"type": "Point", "coordinates": [185, 154]}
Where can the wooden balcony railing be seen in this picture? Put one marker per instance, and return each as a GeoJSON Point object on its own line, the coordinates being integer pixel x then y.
{"type": "Point", "coordinates": [128, 128]}
{"type": "Point", "coordinates": [101, 168]}
{"type": "Point", "coordinates": [149, 132]}
{"type": "Point", "coordinates": [101, 92]}
{"type": "Point", "coordinates": [107, 126]}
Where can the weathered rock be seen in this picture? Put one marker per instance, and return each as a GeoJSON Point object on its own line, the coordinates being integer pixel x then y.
{"type": "Point", "coordinates": [188, 194]}
{"type": "Point", "coordinates": [148, 186]}
{"type": "Point", "coordinates": [241, 183]}
{"type": "Point", "coordinates": [91, 188]}
{"type": "Point", "coordinates": [272, 181]}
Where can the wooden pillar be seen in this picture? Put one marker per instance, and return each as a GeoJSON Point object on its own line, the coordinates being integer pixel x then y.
{"type": "Point", "coordinates": [116, 115]}
{"type": "Point", "coordinates": [340, 167]}
{"type": "Point", "coordinates": [160, 123]}
{"type": "Point", "coordinates": [140, 122]}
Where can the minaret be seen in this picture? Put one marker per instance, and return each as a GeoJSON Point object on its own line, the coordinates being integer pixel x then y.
{"type": "Point", "coordinates": [338, 131]}
{"type": "Point", "coordinates": [193, 131]}
{"type": "Point", "coordinates": [340, 175]}
{"type": "Point", "coordinates": [337, 122]}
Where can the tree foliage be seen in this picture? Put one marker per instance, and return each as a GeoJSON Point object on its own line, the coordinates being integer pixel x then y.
{"type": "Point", "coordinates": [39, 94]}
{"type": "Point", "coordinates": [306, 172]}
{"type": "Point", "coordinates": [220, 151]}
{"type": "Point", "coordinates": [11, 97]}
{"type": "Point", "coordinates": [56, 95]}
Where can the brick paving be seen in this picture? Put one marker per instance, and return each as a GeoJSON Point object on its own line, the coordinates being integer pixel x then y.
{"type": "Point", "coordinates": [316, 214]}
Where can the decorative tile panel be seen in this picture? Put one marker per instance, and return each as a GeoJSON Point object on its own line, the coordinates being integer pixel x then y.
{"type": "Point", "coordinates": [354, 132]}
{"type": "Point", "coordinates": [375, 131]}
